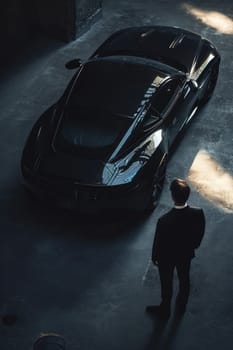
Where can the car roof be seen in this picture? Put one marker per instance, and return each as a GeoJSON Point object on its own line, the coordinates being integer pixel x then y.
{"type": "Point", "coordinates": [119, 84]}
{"type": "Point", "coordinates": [174, 46]}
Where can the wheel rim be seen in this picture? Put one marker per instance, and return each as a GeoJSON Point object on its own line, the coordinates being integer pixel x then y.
{"type": "Point", "coordinates": [157, 185]}
{"type": "Point", "coordinates": [156, 190]}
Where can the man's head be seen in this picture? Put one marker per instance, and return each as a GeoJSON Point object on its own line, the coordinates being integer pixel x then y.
{"type": "Point", "coordinates": [180, 191]}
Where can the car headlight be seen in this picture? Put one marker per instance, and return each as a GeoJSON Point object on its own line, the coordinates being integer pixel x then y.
{"type": "Point", "coordinates": [125, 172]}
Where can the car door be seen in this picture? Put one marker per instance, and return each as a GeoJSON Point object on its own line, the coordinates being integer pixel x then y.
{"type": "Point", "coordinates": [182, 105]}
{"type": "Point", "coordinates": [163, 104]}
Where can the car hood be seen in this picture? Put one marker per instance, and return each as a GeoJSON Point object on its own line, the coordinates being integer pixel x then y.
{"type": "Point", "coordinates": [96, 172]}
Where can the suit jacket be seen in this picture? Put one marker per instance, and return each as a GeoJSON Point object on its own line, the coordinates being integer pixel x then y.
{"type": "Point", "coordinates": [178, 233]}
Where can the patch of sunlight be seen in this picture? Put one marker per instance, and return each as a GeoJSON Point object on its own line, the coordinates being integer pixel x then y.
{"type": "Point", "coordinates": [214, 19]}
{"type": "Point", "coordinates": [212, 181]}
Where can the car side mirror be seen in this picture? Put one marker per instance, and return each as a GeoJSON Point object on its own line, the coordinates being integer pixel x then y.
{"type": "Point", "coordinates": [73, 64]}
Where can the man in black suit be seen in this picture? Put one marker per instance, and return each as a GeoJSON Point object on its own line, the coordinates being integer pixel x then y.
{"type": "Point", "coordinates": [178, 233]}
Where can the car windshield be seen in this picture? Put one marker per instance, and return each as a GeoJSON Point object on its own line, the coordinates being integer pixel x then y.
{"type": "Point", "coordinates": [116, 84]}
{"type": "Point", "coordinates": [90, 131]}
{"type": "Point", "coordinates": [102, 105]}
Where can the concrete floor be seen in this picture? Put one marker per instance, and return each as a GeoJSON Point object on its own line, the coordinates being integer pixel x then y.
{"type": "Point", "coordinates": [90, 278]}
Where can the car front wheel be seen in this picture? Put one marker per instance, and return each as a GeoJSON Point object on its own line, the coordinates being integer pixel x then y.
{"type": "Point", "coordinates": [156, 187]}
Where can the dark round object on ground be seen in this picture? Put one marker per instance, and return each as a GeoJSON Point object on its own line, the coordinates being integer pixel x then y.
{"type": "Point", "coordinates": [9, 319]}
{"type": "Point", "coordinates": [49, 342]}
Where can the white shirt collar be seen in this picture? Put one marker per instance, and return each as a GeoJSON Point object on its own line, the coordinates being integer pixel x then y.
{"type": "Point", "coordinates": [180, 206]}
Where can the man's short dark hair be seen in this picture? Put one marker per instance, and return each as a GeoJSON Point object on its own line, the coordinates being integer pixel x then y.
{"type": "Point", "coordinates": [180, 191]}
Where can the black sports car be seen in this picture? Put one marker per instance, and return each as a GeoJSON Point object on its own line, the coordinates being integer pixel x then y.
{"type": "Point", "coordinates": [105, 143]}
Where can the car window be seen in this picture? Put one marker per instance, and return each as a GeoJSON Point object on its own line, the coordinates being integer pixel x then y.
{"type": "Point", "coordinates": [113, 84]}
{"type": "Point", "coordinates": [151, 119]}
{"type": "Point", "coordinates": [164, 96]}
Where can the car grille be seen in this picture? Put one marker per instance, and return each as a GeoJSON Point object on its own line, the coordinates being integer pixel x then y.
{"type": "Point", "coordinates": [58, 187]}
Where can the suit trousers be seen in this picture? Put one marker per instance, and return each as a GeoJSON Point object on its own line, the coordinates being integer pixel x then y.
{"type": "Point", "coordinates": [166, 271]}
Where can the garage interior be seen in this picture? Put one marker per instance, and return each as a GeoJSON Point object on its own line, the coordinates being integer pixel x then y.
{"type": "Point", "coordinates": [89, 278]}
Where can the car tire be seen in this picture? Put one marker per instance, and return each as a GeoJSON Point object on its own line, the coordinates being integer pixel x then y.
{"type": "Point", "coordinates": [156, 187]}
{"type": "Point", "coordinates": [213, 77]}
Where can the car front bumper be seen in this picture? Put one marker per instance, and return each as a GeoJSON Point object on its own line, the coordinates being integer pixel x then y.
{"type": "Point", "coordinates": [72, 196]}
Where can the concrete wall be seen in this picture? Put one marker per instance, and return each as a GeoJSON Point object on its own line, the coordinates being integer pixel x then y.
{"type": "Point", "coordinates": [57, 18]}
{"type": "Point", "coordinates": [67, 19]}
{"type": "Point", "coordinates": [86, 11]}
{"type": "Point", "coordinates": [22, 20]}
{"type": "Point", "coordinates": [18, 24]}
